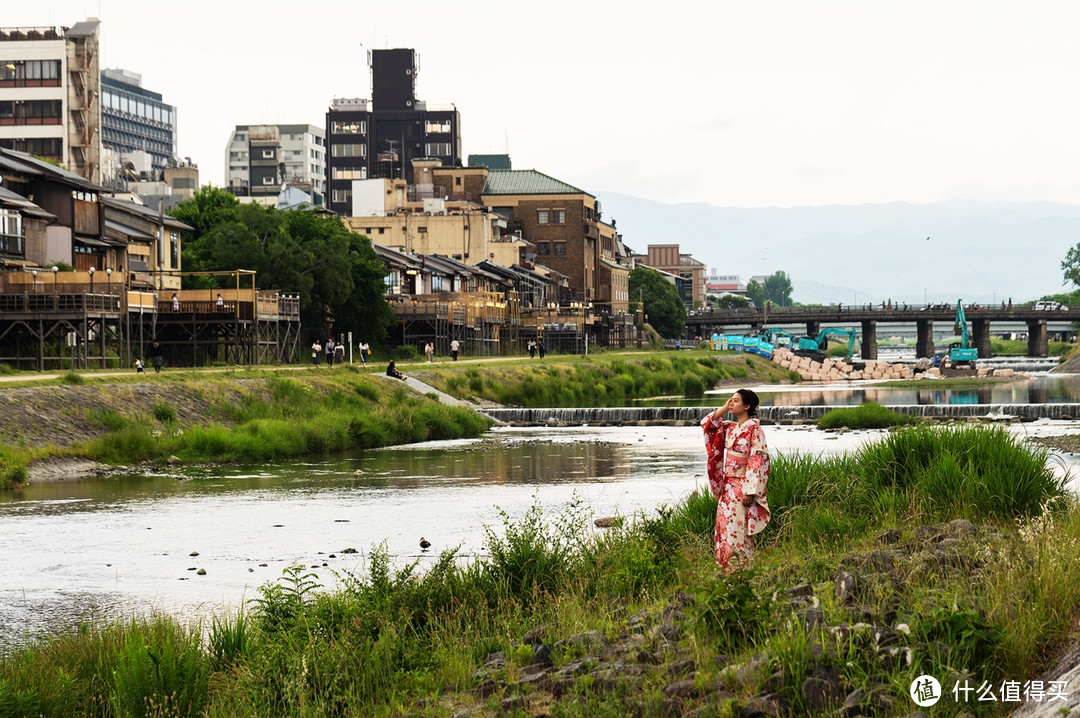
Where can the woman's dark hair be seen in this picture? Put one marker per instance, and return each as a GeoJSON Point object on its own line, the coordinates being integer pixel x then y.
{"type": "Point", "coordinates": [750, 399]}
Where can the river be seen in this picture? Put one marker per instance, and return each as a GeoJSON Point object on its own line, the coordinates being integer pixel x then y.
{"type": "Point", "coordinates": [122, 545]}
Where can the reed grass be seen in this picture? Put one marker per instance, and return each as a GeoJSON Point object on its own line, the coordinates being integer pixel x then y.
{"type": "Point", "coordinates": [287, 417]}
{"type": "Point", "coordinates": [869, 415]}
{"type": "Point", "coordinates": [397, 641]}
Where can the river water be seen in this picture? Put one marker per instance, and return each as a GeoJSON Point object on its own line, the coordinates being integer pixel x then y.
{"type": "Point", "coordinates": [121, 546]}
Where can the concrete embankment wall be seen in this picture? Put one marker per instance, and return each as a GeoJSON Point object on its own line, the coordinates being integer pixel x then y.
{"type": "Point", "coordinates": [693, 414]}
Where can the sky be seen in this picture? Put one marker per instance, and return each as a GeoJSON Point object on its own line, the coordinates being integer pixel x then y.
{"type": "Point", "coordinates": [740, 104]}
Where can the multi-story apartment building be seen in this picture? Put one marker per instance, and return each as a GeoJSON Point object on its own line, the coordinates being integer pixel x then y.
{"type": "Point", "coordinates": [562, 223]}
{"type": "Point", "coordinates": [418, 219]}
{"type": "Point", "coordinates": [49, 95]}
{"type": "Point", "coordinates": [667, 258]}
{"type": "Point", "coordinates": [136, 119]}
{"type": "Point", "coordinates": [262, 159]}
{"type": "Point", "coordinates": [381, 137]}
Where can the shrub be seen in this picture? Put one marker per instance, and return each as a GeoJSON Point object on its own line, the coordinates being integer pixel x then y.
{"type": "Point", "coordinates": [72, 377]}
{"type": "Point", "coordinates": [164, 413]}
{"type": "Point", "coordinates": [406, 352]}
{"type": "Point", "coordinates": [12, 468]}
{"type": "Point", "coordinates": [866, 416]}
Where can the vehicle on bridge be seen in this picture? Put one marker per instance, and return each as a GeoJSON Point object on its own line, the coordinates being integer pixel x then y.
{"type": "Point", "coordinates": [965, 353]}
{"type": "Point", "coordinates": [815, 347]}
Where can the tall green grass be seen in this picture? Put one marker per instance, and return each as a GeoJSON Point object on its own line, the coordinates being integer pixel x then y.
{"type": "Point", "coordinates": [395, 640]}
{"type": "Point", "coordinates": [289, 417]}
{"type": "Point", "coordinates": [865, 416]}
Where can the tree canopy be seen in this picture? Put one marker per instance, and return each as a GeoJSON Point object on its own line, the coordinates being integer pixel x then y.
{"type": "Point", "coordinates": [663, 306]}
{"type": "Point", "coordinates": [335, 272]}
{"type": "Point", "coordinates": [1071, 266]}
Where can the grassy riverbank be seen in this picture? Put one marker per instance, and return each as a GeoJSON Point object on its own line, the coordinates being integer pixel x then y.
{"type": "Point", "coordinates": [209, 417]}
{"type": "Point", "coordinates": [601, 380]}
{"type": "Point", "coordinates": [942, 551]}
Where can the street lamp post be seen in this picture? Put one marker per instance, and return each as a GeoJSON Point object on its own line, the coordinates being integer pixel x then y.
{"type": "Point", "coordinates": [91, 280]}
{"type": "Point", "coordinates": [108, 277]}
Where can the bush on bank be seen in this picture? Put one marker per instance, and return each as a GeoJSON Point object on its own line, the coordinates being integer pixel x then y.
{"type": "Point", "coordinates": [865, 416]}
{"type": "Point", "coordinates": [397, 641]}
{"type": "Point", "coordinates": [602, 381]}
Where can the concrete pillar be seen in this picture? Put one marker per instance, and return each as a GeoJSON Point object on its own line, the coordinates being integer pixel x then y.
{"type": "Point", "coordinates": [1037, 344]}
{"type": "Point", "coordinates": [812, 328]}
{"type": "Point", "coordinates": [869, 339]}
{"type": "Point", "coordinates": [980, 336]}
{"type": "Point", "coordinates": [924, 342]}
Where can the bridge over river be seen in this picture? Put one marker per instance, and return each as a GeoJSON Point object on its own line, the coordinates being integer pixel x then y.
{"type": "Point", "coordinates": [722, 321]}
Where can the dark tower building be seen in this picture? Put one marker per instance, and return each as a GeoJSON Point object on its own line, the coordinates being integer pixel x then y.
{"type": "Point", "coordinates": [381, 137]}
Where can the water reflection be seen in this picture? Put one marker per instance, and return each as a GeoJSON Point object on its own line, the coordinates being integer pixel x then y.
{"type": "Point", "coordinates": [1043, 389]}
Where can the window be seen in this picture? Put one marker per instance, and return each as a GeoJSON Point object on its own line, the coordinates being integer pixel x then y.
{"type": "Point", "coordinates": [543, 248]}
{"type": "Point", "coordinates": [560, 249]}
{"type": "Point", "coordinates": [267, 180]}
{"type": "Point", "coordinates": [7, 110]}
{"type": "Point", "coordinates": [7, 71]}
{"type": "Point", "coordinates": [341, 195]}
{"type": "Point", "coordinates": [437, 126]}
{"type": "Point", "coordinates": [438, 284]}
{"type": "Point", "coordinates": [268, 154]}
{"type": "Point", "coordinates": [349, 151]}
{"type": "Point", "coordinates": [174, 246]}
{"type": "Point", "coordinates": [50, 147]}
{"type": "Point", "coordinates": [457, 181]}
{"type": "Point", "coordinates": [354, 127]}
{"type": "Point", "coordinates": [433, 149]}
{"type": "Point", "coordinates": [542, 216]}
{"type": "Point", "coordinates": [390, 281]}
{"type": "Point", "coordinates": [560, 216]}
{"type": "Point", "coordinates": [240, 137]}
{"type": "Point", "coordinates": [422, 230]}
{"type": "Point", "coordinates": [10, 232]}
{"type": "Point", "coordinates": [350, 173]}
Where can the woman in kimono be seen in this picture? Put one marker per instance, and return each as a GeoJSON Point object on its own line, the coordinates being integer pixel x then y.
{"type": "Point", "coordinates": [738, 467]}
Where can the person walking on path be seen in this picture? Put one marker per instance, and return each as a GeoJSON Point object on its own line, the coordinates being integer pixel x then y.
{"type": "Point", "coordinates": [364, 352]}
{"type": "Point", "coordinates": [138, 365]}
{"type": "Point", "coordinates": [339, 353]}
{"type": "Point", "coordinates": [737, 459]}
{"type": "Point", "coordinates": [532, 349]}
{"type": "Point", "coordinates": [454, 347]}
{"type": "Point", "coordinates": [541, 348]}
{"type": "Point", "coordinates": [175, 303]}
{"type": "Point", "coordinates": [155, 356]}
{"type": "Point", "coordinates": [429, 350]}
{"type": "Point", "coordinates": [330, 352]}
{"type": "Point", "coordinates": [316, 352]}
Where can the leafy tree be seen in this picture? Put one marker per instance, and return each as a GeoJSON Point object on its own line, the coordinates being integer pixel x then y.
{"type": "Point", "coordinates": [778, 289]}
{"type": "Point", "coordinates": [755, 292]}
{"type": "Point", "coordinates": [663, 305]}
{"type": "Point", "coordinates": [1071, 266]}
{"type": "Point", "coordinates": [732, 301]}
{"type": "Point", "coordinates": [335, 272]}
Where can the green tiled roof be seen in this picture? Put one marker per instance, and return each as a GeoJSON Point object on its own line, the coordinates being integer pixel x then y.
{"type": "Point", "coordinates": [527, 182]}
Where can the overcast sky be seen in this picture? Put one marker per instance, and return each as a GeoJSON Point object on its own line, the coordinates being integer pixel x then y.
{"type": "Point", "coordinates": [745, 104]}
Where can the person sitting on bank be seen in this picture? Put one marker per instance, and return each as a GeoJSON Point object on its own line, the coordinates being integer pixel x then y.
{"type": "Point", "coordinates": [391, 370]}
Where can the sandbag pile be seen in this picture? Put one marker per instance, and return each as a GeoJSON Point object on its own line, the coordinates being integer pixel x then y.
{"type": "Point", "coordinates": [838, 369]}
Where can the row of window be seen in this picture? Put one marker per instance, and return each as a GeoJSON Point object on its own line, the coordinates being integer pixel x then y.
{"type": "Point", "coordinates": [551, 216]}
{"type": "Point", "coordinates": [551, 249]}
{"type": "Point", "coordinates": [31, 110]}
{"type": "Point", "coordinates": [349, 173]}
{"type": "Point", "coordinates": [353, 150]}
{"type": "Point", "coordinates": [349, 127]}
{"type": "Point", "coordinates": [48, 147]}
{"type": "Point", "coordinates": [436, 149]}
{"type": "Point", "coordinates": [13, 70]}
{"type": "Point", "coordinates": [134, 106]}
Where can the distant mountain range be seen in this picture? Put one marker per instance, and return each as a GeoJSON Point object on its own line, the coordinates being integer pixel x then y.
{"type": "Point", "coordinates": [985, 252]}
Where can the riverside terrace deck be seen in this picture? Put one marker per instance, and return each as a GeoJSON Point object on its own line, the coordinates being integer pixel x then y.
{"type": "Point", "coordinates": [868, 317]}
{"type": "Point", "coordinates": [56, 321]}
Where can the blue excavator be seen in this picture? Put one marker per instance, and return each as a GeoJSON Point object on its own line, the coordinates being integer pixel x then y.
{"type": "Point", "coordinates": [964, 353]}
{"type": "Point", "coordinates": [815, 347]}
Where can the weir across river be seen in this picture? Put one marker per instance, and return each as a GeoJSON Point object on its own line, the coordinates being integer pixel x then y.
{"type": "Point", "coordinates": [686, 415]}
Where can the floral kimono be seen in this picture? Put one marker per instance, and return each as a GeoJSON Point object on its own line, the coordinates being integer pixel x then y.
{"type": "Point", "coordinates": [738, 465]}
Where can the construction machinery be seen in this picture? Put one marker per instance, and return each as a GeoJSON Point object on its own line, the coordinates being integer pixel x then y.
{"type": "Point", "coordinates": [964, 353]}
{"type": "Point", "coordinates": [815, 347]}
